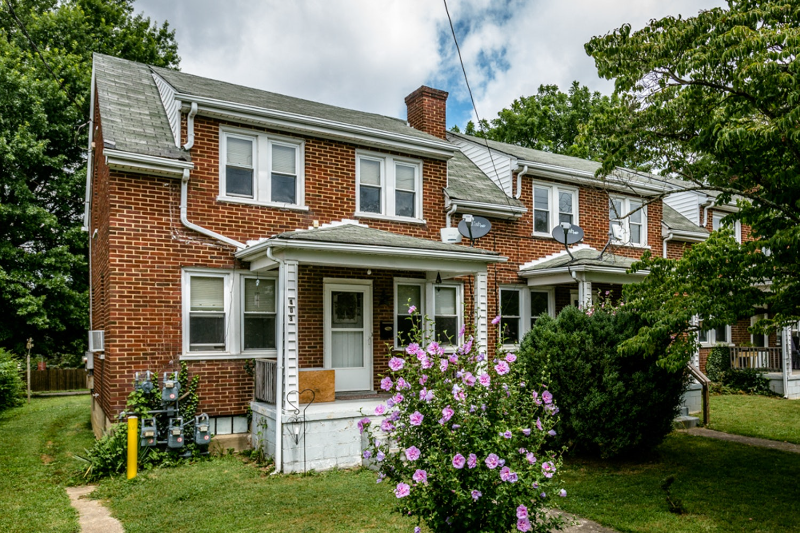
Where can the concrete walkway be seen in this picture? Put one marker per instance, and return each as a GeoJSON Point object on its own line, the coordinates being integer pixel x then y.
{"type": "Point", "coordinates": [750, 441]}
{"type": "Point", "coordinates": [576, 524]}
{"type": "Point", "coordinates": [93, 517]}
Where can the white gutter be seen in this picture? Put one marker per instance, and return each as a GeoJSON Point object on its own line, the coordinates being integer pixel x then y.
{"type": "Point", "coordinates": [279, 377]}
{"type": "Point", "coordinates": [248, 253]}
{"type": "Point", "coordinates": [586, 177]}
{"type": "Point", "coordinates": [431, 147]}
{"type": "Point", "coordinates": [519, 181]}
{"type": "Point", "coordinates": [571, 269]}
{"type": "Point", "coordinates": [450, 213]}
{"type": "Point", "coordinates": [670, 235]}
{"type": "Point", "coordinates": [87, 202]}
{"type": "Point", "coordinates": [705, 205]}
{"type": "Point", "coordinates": [190, 127]}
{"type": "Point", "coordinates": [195, 227]}
{"type": "Point", "coordinates": [146, 164]}
{"type": "Point", "coordinates": [506, 212]}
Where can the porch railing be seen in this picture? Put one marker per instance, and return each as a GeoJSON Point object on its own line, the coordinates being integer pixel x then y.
{"type": "Point", "coordinates": [266, 380]}
{"type": "Point", "coordinates": [766, 359]}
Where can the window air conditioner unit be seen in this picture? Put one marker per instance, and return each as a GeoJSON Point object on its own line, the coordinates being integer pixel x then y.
{"type": "Point", "coordinates": [96, 340]}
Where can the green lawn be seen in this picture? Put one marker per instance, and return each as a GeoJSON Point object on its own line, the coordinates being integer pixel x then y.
{"type": "Point", "coordinates": [724, 486]}
{"type": "Point", "coordinates": [226, 494]}
{"type": "Point", "coordinates": [36, 446]}
{"type": "Point", "coordinates": [756, 416]}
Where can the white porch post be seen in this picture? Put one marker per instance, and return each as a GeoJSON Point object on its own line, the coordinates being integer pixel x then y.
{"type": "Point", "coordinates": [584, 291]}
{"type": "Point", "coordinates": [291, 360]}
{"type": "Point", "coordinates": [482, 310]}
{"type": "Point", "coordinates": [786, 349]}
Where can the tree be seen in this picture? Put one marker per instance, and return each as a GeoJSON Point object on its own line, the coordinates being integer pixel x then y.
{"type": "Point", "coordinates": [46, 51]}
{"type": "Point", "coordinates": [715, 101]}
{"type": "Point", "coordinates": [550, 120]}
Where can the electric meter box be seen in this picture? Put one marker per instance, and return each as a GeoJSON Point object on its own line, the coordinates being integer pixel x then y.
{"type": "Point", "coordinates": [171, 388]}
{"type": "Point", "coordinates": [149, 433]}
{"type": "Point", "coordinates": [202, 435]}
{"type": "Point", "coordinates": [175, 433]}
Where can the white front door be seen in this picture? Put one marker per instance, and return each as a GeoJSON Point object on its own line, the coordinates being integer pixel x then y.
{"type": "Point", "coordinates": [348, 334]}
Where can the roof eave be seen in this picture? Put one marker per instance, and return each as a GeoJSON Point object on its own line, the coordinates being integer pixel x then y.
{"type": "Point", "coordinates": [582, 176]}
{"type": "Point", "coordinates": [580, 268]}
{"type": "Point", "coordinates": [146, 164]}
{"type": "Point", "coordinates": [504, 212]}
{"type": "Point", "coordinates": [434, 148]}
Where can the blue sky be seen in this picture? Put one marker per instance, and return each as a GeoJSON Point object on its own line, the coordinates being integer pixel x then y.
{"type": "Point", "coordinates": [370, 54]}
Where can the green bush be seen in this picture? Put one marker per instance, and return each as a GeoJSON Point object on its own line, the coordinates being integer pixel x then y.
{"type": "Point", "coordinates": [612, 404]}
{"type": "Point", "coordinates": [719, 362]}
{"type": "Point", "coordinates": [12, 389]}
{"type": "Point", "coordinates": [728, 380]}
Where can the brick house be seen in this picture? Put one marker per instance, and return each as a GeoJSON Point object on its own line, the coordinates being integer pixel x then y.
{"type": "Point", "coordinates": [229, 224]}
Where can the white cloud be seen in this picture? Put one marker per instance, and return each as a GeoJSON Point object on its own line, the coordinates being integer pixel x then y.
{"type": "Point", "coordinates": [369, 54]}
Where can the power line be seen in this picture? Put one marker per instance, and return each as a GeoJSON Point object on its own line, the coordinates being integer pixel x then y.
{"type": "Point", "coordinates": [44, 61]}
{"type": "Point", "coordinates": [469, 89]}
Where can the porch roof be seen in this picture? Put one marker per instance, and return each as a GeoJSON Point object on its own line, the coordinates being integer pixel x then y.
{"type": "Point", "coordinates": [585, 262]}
{"type": "Point", "coordinates": [351, 243]}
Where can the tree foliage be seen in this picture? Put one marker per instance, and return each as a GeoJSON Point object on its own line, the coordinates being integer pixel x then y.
{"type": "Point", "coordinates": [714, 100]}
{"type": "Point", "coordinates": [549, 120]}
{"type": "Point", "coordinates": [46, 51]}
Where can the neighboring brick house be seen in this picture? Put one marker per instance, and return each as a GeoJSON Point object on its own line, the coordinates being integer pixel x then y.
{"type": "Point", "coordinates": [229, 224]}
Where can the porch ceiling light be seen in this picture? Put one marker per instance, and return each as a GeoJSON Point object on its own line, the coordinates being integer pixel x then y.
{"type": "Point", "coordinates": [438, 279]}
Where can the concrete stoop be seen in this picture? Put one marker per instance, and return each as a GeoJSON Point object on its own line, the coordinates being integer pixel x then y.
{"type": "Point", "coordinates": [684, 421]}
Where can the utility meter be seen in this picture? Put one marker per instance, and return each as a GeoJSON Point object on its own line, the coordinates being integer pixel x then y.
{"type": "Point", "coordinates": [202, 435]}
{"type": "Point", "coordinates": [171, 387]}
{"type": "Point", "coordinates": [143, 381]}
{"type": "Point", "coordinates": [149, 434]}
{"type": "Point", "coordinates": [175, 433]}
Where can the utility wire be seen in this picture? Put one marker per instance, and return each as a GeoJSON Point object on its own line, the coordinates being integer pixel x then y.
{"type": "Point", "coordinates": [469, 89]}
{"type": "Point", "coordinates": [46, 65]}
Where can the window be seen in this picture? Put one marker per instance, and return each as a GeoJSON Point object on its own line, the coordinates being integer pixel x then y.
{"type": "Point", "coordinates": [446, 313]}
{"type": "Point", "coordinates": [520, 307]}
{"type": "Point", "coordinates": [759, 340]}
{"type": "Point", "coordinates": [629, 217]}
{"type": "Point", "coordinates": [716, 223]}
{"type": "Point", "coordinates": [261, 169]}
{"type": "Point", "coordinates": [388, 186]}
{"type": "Point", "coordinates": [552, 205]}
{"type": "Point", "coordinates": [510, 315]}
{"type": "Point", "coordinates": [229, 314]}
{"type": "Point", "coordinates": [719, 335]}
{"type": "Point", "coordinates": [540, 305]}
{"type": "Point", "coordinates": [407, 293]}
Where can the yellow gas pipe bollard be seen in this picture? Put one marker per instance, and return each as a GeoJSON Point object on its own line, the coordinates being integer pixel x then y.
{"type": "Point", "coordinates": [133, 446]}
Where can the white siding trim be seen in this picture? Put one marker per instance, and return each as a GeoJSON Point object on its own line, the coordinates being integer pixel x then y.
{"type": "Point", "coordinates": [171, 106]}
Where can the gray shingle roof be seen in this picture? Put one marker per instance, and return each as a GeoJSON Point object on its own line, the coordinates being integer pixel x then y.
{"type": "Point", "coordinates": [362, 235]}
{"type": "Point", "coordinates": [131, 111]}
{"type": "Point", "coordinates": [674, 220]}
{"type": "Point", "coordinates": [228, 92]}
{"type": "Point", "coordinates": [467, 182]}
{"type": "Point", "coordinates": [585, 256]}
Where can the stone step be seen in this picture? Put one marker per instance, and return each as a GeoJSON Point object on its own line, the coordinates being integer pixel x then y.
{"type": "Point", "coordinates": [685, 422]}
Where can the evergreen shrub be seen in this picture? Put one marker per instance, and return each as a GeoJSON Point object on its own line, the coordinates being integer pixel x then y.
{"type": "Point", "coordinates": [12, 389]}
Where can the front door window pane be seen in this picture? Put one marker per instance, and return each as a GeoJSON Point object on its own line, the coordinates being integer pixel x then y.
{"type": "Point", "coordinates": [539, 305]}
{"type": "Point", "coordinates": [347, 329]}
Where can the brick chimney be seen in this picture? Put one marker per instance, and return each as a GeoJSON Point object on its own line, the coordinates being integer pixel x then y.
{"type": "Point", "coordinates": [427, 111]}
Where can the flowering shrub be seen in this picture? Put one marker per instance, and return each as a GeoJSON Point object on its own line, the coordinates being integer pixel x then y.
{"type": "Point", "coordinates": [464, 439]}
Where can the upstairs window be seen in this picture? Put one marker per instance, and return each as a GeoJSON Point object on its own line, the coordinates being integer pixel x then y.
{"type": "Point", "coordinates": [261, 169]}
{"type": "Point", "coordinates": [552, 205]}
{"type": "Point", "coordinates": [628, 220]}
{"type": "Point", "coordinates": [388, 186]}
{"type": "Point", "coordinates": [716, 223]}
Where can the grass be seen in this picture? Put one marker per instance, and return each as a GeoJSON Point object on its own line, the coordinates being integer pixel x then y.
{"type": "Point", "coordinates": [36, 446]}
{"type": "Point", "coordinates": [227, 494]}
{"type": "Point", "coordinates": [756, 416]}
{"type": "Point", "coordinates": [723, 486]}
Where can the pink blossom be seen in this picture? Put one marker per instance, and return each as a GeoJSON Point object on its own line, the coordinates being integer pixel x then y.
{"type": "Point", "coordinates": [476, 494]}
{"type": "Point", "coordinates": [426, 395]}
{"type": "Point", "coordinates": [416, 418]}
{"type": "Point", "coordinates": [380, 456]}
{"type": "Point", "coordinates": [502, 368]}
{"type": "Point", "coordinates": [402, 490]}
{"type": "Point", "coordinates": [548, 469]}
{"type": "Point", "coordinates": [412, 453]}
{"type": "Point", "coordinates": [468, 346]}
{"type": "Point", "coordinates": [496, 320]}
{"type": "Point", "coordinates": [453, 358]}
{"type": "Point", "coordinates": [411, 309]}
{"type": "Point", "coordinates": [507, 475]}
{"type": "Point", "coordinates": [386, 383]}
{"type": "Point", "coordinates": [526, 432]}
{"type": "Point", "coordinates": [443, 365]}
{"type": "Point", "coordinates": [435, 349]}
{"type": "Point", "coordinates": [510, 357]}
{"type": "Point", "coordinates": [412, 348]}
{"type": "Point", "coordinates": [420, 476]}
{"type": "Point", "coordinates": [458, 393]}
{"type": "Point", "coordinates": [547, 397]}
{"type": "Point", "coordinates": [484, 379]}
{"type": "Point", "coordinates": [387, 426]}
{"type": "Point", "coordinates": [472, 461]}
{"type": "Point", "coordinates": [539, 424]}
{"type": "Point", "coordinates": [403, 384]}
{"type": "Point", "coordinates": [364, 422]}
{"type": "Point", "coordinates": [426, 362]}
{"type": "Point", "coordinates": [462, 330]}
{"type": "Point", "coordinates": [395, 363]}
{"type": "Point", "coordinates": [380, 409]}
{"type": "Point", "coordinates": [523, 524]}
{"type": "Point", "coordinates": [459, 461]}
{"type": "Point", "coordinates": [522, 512]}
{"type": "Point", "coordinates": [447, 414]}
{"type": "Point", "coordinates": [398, 398]}
{"type": "Point", "coordinates": [469, 379]}
{"type": "Point", "coordinates": [423, 379]}
{"type": "Point", "coordinates": [530, 457]}
{"type": "Point", "coordinates": [492, 461]}
{"type": "Point", "coordinates": [562, 493]}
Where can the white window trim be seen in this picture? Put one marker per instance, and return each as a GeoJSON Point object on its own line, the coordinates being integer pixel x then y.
{"type": "Point", "coordinates": [234, 312]}
{"type": "Point", "coordinates": [552, 206]}
{"type": "Point", "coordinates": [711, 338]}
{"type": "Point", "coordinates": [459, 311]}
{"type": "Point", "coordinates": [399, 307]}
{"type": "Point", "coordinates": [388, 184]}
{"type": "Point", "coordinates": [525, 307]}
{"type": "Point", "coordinates": [626, 209]}
{"type": "Point", "coordinates": [716, 220]}
{"type": "Point", "coordinates": [262, 168]}
{"type": "Point", "coordinates": [753, 320]}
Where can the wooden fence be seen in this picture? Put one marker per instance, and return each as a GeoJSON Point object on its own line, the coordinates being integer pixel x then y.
{"type": "Point", "coordinates": [55, 379]}
{"type": "Point", "coordinates": [766, 359]}
{"type": "Point", "coordinates": [266, 380]}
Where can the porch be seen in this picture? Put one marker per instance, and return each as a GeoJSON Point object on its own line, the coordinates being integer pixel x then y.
{"type": "Point", "coordinates": [781, 365]}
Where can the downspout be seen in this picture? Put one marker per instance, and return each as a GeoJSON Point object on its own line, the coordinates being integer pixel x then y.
{"type": "Point", "coordinates": [195, 227]}
{"type": "Point", "coordinates": [669, 238]}
{"type": "Point", "coordinates": [279, 384]}
{"type": "Point", "coordinates": [190, 127]}
{"type": "Point", "coordinates": [450, 213]}
{"type": "Point", "coordinates": [519, 182]}
{"type": "Point", "coordinates": [705, 206]}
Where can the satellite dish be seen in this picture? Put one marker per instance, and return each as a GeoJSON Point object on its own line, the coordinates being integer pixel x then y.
{"type": "Point", "coordinates": [567, 233]}
{"type": "Point", "coordinates": [473, 227]}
